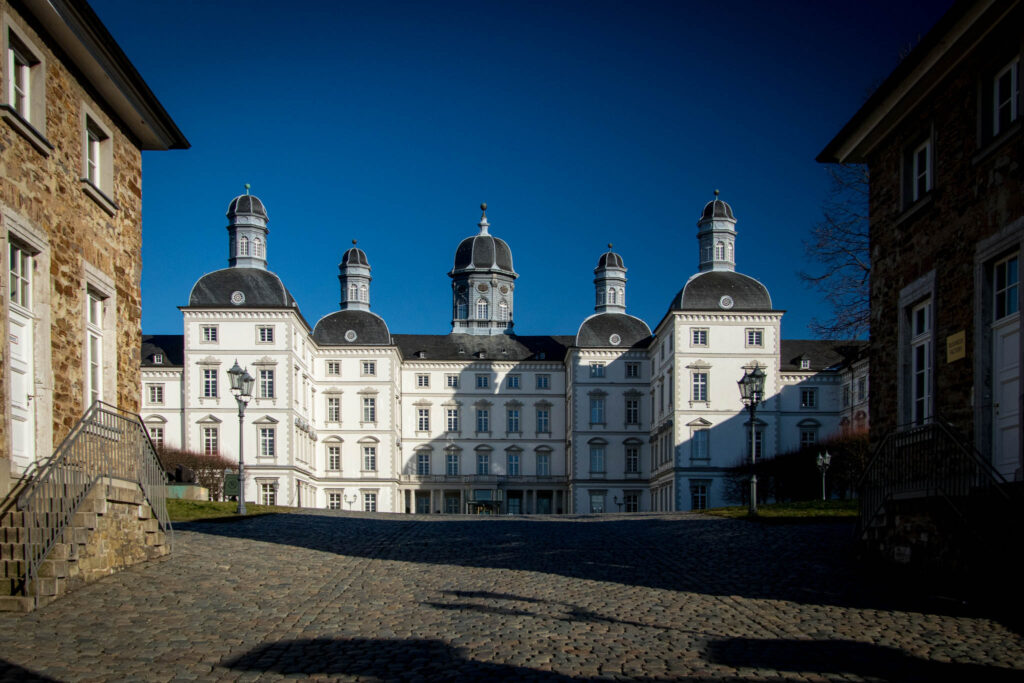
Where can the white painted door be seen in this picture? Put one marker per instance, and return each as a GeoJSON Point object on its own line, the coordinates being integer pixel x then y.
{"type": "Point", "coordinates": [23, 426]}
{"type": "Point", "coordinates": [1006, 395]}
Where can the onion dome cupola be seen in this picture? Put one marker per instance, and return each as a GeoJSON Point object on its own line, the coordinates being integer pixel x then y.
{"type": "Point", "coordinates": [247, 232]}
{"type": "Point", "coordinates": [355, 324]}
{"type": "Point", "coordinates": [483, 284]}
{"type": "Point", "coordinates": [610, 283]}
{"type": "Point", "coordinates": [716, 233]}
{"type": "Point", "coordinates": [354, 276]}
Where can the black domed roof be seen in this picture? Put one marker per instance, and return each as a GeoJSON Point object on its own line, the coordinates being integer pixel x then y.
{"type": "Point", "coordinates": [246, 204]}
{"type": "Point", "coordinates": [708, 292]}
{"type": "Point", "coordinates": [716, 208]}
{"type": "Point", "coordinates": [483, 252]}
{"type": "Point", "coordinates": [609, 259]}
{"type": "Point", "coordinates": [354, 257]}
{"type": "Point", "coordinates": [258, 288]}
{"type": "Point", "coordinates": [351, 328]}
{"type": "Point", "coordinates": [604, 329]}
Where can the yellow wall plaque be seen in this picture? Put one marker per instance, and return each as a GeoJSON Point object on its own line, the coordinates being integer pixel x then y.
{"type": "Point", "coordinates": [956, 346]}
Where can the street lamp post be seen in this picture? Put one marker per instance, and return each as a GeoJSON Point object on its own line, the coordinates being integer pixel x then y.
{"type": "Point", "coordinates": [752, 393]}
{"type": "Point", "coordinates": [241, 389]}
{"type": "Point", "coordinates": [824, 460]}
{"type": "Point", "coordinates": [349, 501]}
{"type": "Point", "coordinates": [615, 499]}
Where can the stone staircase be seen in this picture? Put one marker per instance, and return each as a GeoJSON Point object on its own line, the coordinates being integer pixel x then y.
{"type": "Point", "coordinates": [113, 528]}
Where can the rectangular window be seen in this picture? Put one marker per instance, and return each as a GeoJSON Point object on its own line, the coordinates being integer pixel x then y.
{"type": "Point", "coordinates": [1005, 97]}
{"type": "Point", "coordinates": [808, 398]}
{"type": "Point", "coordinates": [158, 358]}
{"type": "Point", "coordinates": [597, 502]}
{"type": "Point", "coordinates": [597, 411]}
{"type": "Point", "coordinates": [846, 396]}
{"type": "Point", "coordinates": [333, 409]}
{"type": "Point", "coordinates": [632, 411]}
{"type": "Point", "coordinates": [452, 418]}
{"type": "Point", "coordinates": [369, 409]}
{"type": "Point", "coordinates": [333, 500]}
{"type": "Point", "coordinates": [512, 382]}
{"type": "Point", "coordinates": [805, 364]}
{"type": "Point", "coordinates": [862, 389]}
{"type": "Point", "coordinates": [917, 169]}
{"type": "Point", "coordinates": [451, 464]}
{"type": "Point", "coordinates": [921, 362]}
{"type": "Point", "coordinates": [369, 368]}
{"type": "Point", "coordinates": [631, 501]}
{"type": "Point", "coordinates": [597, 369]}
{"type": "Point", "coordinates": [369, 502]}
{"type": "Point", "coordinates": [268, 494]}
{"type": "Point", "coordinates": [808, 437]}
{"type": "Point", "coordinates": [209, 334]}
{"type": "Point", "coordinates": [758, 443]}
{"type": "Point", "coordinates": [334, 458]}
{"type": "Point", "coordinates": [268, 442]}
{"type": "Point", "coordinates": [156, 394]}
{"type": "Point", "coordinates": [19, 66]}
{"type": "Point", "coordinates": [699, 336]}
{"type": "Point", "coordinates": [543, 421]}
{"type": "Point", "coordinates": [513, 464]}
{"type": "Point", "coordinates": [632, 460]}
{"type": "Point", "coordinates": [451, 381]}
{"type": "Point", "coordinates": [513, 420]}
{"type": "Point", "coordinates": [156, 435]}
{"type": "Point", "coordinates": [265, 334]}
{"type": "Point", "coordinates": [699, 495]}
{"type": "Point", "coordinates": [423, 463]}
{"type": "Point", "coordinates": [209, 383]}
{"type": "Point", "coordinates": [20, 276]}
{"type": "Point", "coordinates": [94, 348]}
{"type": "Point", "coordinates": [1006, 287]}
{"type": "Point", "coordinates": [423, 419]}
{"type": "Point", "coordinates": [543, 465]}
{"type": "Point", "coordinates": [422, 381]}
{"type": "Point", "coordinates": [369, 458]}
{"type": "Point", "coordinates": [632, 370]}
{"type": "Point", "coordinates": [483, 463]}
{"type": "Point", "coordinates": [597, 459]}
{"type": "Point", "coordinates": [266, 384]}
{"type": "Point", "coordinates": [755, 337]}
{"type": "Point", "coordinates": [543, 381]}
{"type": "Point", "coordinates": [334, 368]}
{"type": "Point", "coordinates": [699, 445]}
{"type": "Point", "coordinates": [700, 386]}
{"type": "Point", "coordinates": [210, 441]}
{"type": "Point", "coordinates": [483, 381]}
{"type": "Point", "coordinates": [483, 420]}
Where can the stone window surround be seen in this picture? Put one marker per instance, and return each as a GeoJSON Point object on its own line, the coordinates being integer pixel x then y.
{"type": "Point", "coordinates": [911, 295]}
{"type": "Point", "coordinates": [90, 122]}
{"type": "Point", "coordinates": [32, 129]}
{"type": "Point", "coordinates": [215, 329]}
{"type": "Point", "coordinates": [101, 285]}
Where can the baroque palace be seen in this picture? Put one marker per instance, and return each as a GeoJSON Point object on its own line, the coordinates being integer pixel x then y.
{"type": "Point", "coordinates": [347, 415]}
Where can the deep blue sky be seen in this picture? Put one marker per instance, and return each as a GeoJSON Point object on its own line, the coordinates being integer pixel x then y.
{"type": "Point", "coordinates": [579, 123]}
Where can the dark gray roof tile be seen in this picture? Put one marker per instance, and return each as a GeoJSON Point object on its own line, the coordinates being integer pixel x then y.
{"type": "Point", "coordinates": [170, 346]}
{"type": "Point", "coordinates": [469, 347]}
{"type": "Point", "coordinates": [597, 330]}
{"type": "Point", "coordinates": [351, 328]}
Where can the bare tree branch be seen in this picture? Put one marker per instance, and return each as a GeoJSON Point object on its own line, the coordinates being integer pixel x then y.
{"type": "Point", "coordinates": [839, 245]}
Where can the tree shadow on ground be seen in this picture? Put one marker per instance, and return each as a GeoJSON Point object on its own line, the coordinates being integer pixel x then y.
{"type": "Point", "coordinates": [845, 658]}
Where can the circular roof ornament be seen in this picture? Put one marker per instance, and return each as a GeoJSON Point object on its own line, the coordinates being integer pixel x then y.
{"type": "Point", "coordinates": [350, 336]}
{"type": "Point", "coordinates": [482, 288]}
{"type": "Point", "coordinates": [615, 340]}
{"type": "Point", "coordinates": [726, 302]}
{"type": "Point", "coordinates": [237, 298]}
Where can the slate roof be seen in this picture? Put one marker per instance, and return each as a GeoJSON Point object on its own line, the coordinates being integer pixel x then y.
{"type": "Point", "coordinates": [172, 346]}
{"type": "Point", "coordinates": [246, 204]}
{"type": "Point", "coordinates": [467, 347]}
{"type": "Point", "coordinates": [716, 208]}
{"type": "Point", "coordinates": [598, 329]}
{"type": "Point", "coordinates": [609, 259]}
{"type": "Point", "coordinates": [369, 328]}
{"type": "Point", "coordinates": [704, 292]}
{"type": "Point", "coordinates": [354, 257]}
{"type": "Point", "coordinates": [262, 289]}
{"type": "Point", "coordinates": [483, 252]}
{"type": "Point", "coordinates": [824, 354]}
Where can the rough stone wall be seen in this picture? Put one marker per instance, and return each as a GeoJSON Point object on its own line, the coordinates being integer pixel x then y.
{"type": "Point", "coordinates": [972, 198]}
{"type": "Point", "coordinates": [48, 192]}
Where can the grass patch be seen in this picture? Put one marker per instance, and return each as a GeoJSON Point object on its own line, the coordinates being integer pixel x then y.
{"type": "Point", "coordinates": [802, 511]}
{"type": "Point", "coordinates": [216, 511]}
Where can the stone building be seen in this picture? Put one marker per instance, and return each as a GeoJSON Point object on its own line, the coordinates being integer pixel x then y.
{"type": "Point", "coordinates": [348, 415]}
{"type": "Point", "coordinates": [76, 118]}
{"type": "Point", "coordinates": [942, 139]}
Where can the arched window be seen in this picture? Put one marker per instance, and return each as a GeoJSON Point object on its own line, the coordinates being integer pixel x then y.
{"type": "Point", "coordinates": [257, 245]}
{"type": "Point", "coordinates": [502, 311]}
{"type": "Point", "coordinates": [720, 251]}
{"type": "Point", "coordinates": [353, 292]}
{"type": "Point", "coordinates": [364, 294]}
{"type": "Point", "coordinates": [243, 246]}
{"type": "Point", "coordinates": [611, 297]}
{"type": "Point", "coordinates": [600, 297]}
{"type": "Point", "coordinates": [481, 309]}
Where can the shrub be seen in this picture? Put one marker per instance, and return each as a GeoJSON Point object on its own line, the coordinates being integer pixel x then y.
{"type": "Point", "coordinates": [209, 469]}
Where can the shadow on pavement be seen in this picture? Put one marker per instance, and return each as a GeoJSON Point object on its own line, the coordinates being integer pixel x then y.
{"type": "Point", "coordinates": [846, 658]}
{"type": "Point", "coordinates": [13, 672]}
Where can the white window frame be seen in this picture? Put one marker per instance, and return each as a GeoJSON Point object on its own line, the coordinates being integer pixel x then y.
{"type": "Point", "coordinates": [809, 398]}
{"type": "Point", "coordinates": [543, 421]}
{"type": "Point", "coordinates": [451, 381]}
{"type": "Point", "coordinates": [334, 409]}
{"type": "Point", "coordinates": [423, 419]}
{"type": "Point", "coordinates": [632, 461]}
{"type": "Point", "coordinates": [483, 381]}
{"type": "Point", "coordinates": [264, 334]}
{"type": "Point", "coordinates": [209, 383]}
{"type": "Point", "coordinates": [543, 464]}
{"type": "Point", "coordinates": [483, 463]}
{"type": "Point", "coordinates": [451, 463]}
{"type": "Point", "coordinates": [368, 368]}
{"type": "Point", "coordinates": [97, 177]}
{"type": "Point", "coordinates": [513, 462]}
{"type": "Point", "coordinates": [919, 170]}
{"type": "Point", "coordinates": [700, 386]}
{"type": "Point", "coordinates": [369, 457]}
{"type": "Point", "coordinates": [512, 381]}
{"type": "Point", "coordinates": [333, 457]}
{"type": "Point", "coordinates": [512, 421]}
{"type": "Point", "coordinates": [268, 494]}
{"type": "Point", "coordinates": [633, 411]}
{"type": "Point", "coordinates": [94, 346]}
{"type": "Point", "coordinates": [452, 419]}
{"type": "Point", "coordinates": [26, 63]}
{"type": "Point", "coordinates": [334, 368]}
{"type": "Point", "coordinates": [211, 440]}
{"type": "Point", "coordinates": [423, 462]}
{"type": "Point", "coordinates": [700, 444]}
{"type": "Point", "coordinates": [1012, 101]}
{"type": "Point", "coordinates": [597, 370]}
{"type": "Point", "coordinates": [754, 337]}
{"type": "Point", "coordinates": [155, 394]}
{"type": "Point", "coordinates": [156, 435]}
{"type": "Point", "coordinates": [921, 361]}
{"type": "Point", "coordinates": [483, 421]}
{"type": "Point", "coordinates": [632, 370]}
{"type": "Point", "coordinates": [543, 381]}
{"type": "Point", "coordinates": [266, 383]}
{"type": "Point", "coordinates": [422, 381]}
{"type": "Point", "coordinates": [268, 442]}
{"type": "Point", "coordinates": [597, 410]}
{"type": "Point", "coordinates": [369, 409]}
{"type": "Point", "coordinates": [208, 334]}
{"type": "Point", "coordinates": [1006, 293]}
{"type": "Point", "coordinates": [333, 500]}
{"type": "Point", "coordinates": [369, 502]}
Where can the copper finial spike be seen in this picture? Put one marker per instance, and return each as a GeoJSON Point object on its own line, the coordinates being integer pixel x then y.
{"type": "Point", "coordinates": [716, 194]}
{"type": "Point", "coordinates": [609, 246]}
{"type": "Point", "coordinates": [247, 188]}
{"type": "Point", "coordinates": [483, 207]}
{"type": "Point", "coordinates": [353, 243]}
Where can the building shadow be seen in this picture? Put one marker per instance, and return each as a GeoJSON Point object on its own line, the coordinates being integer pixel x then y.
{"type": "Point", "coordinates": [14, 673]}
{"type": "Point", "coordinates": [846, 658]}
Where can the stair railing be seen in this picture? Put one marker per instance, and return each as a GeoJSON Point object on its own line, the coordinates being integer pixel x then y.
{"type": "Point", "coordinates": [107, 442]}
{"type": "Point", "coordinates": [931, 459]}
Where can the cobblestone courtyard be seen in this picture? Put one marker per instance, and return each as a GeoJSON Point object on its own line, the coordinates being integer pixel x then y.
{"type": "Point", "coordinates": [343, 596]}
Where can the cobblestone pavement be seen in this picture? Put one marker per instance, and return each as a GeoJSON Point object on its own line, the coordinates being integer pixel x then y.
{"type": "Point", "coordinates": [329, 595]}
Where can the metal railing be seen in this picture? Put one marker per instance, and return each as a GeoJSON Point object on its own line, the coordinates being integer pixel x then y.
{"type": "Point", "coordinates": [923, 461]}
{"type": "Point", "coordinates": [106, 442]}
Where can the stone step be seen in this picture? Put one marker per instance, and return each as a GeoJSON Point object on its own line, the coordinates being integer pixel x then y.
{"type": "Point", "coordinates": [12, 551]}
{"type": "Point", "coordinates": [16, 603]}
{"type": "Point", "coordinates": [12, 535]}
{"type": "Point", "coordinates": [12, 569]}
{"type": "Point", "coordinates": [53, 569]}
{"type": "Point", "coordinates": [48, 586]}
{"type": "Point", "coordinates": [84, 520]}
{"type": "Point", "coordinates": [12, 519]}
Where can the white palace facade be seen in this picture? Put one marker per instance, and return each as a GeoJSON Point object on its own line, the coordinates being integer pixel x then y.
{"type": "Point", "coordinates": [346, 415]}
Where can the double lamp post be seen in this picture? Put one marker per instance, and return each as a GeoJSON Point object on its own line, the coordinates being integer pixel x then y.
{"type": "Point", "coordinates": [752, 393]}
{"type": "Point", "coordinates": [241, 389]}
